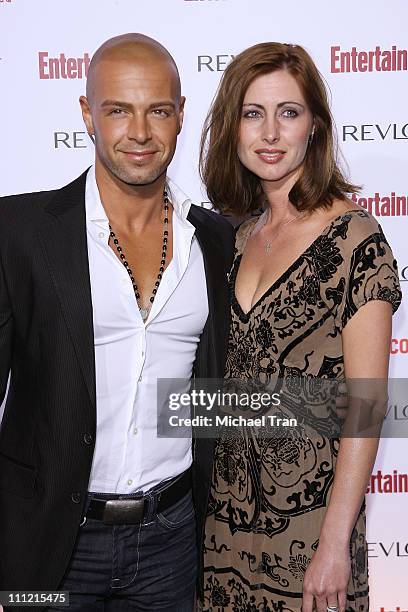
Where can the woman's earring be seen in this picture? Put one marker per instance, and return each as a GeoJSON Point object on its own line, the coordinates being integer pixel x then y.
{"type": "Point", "coordinates": [311, 135]}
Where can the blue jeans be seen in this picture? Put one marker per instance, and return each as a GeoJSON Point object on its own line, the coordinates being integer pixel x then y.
{"type": "Point", "coordinates": [147, 567]}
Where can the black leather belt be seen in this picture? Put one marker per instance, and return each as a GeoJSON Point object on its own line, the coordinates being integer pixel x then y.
{"type": "Point", "coordinates": [120, 510]}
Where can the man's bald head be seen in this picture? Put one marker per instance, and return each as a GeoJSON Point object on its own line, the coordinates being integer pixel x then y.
{"type": "Point", "coordinates": [133, 109]}
{"type": "Point", "coordinates": [131, 47]}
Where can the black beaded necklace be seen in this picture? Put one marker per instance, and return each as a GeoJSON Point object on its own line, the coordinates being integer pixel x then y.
{"type": "Point", "coordinates": [144, 312]}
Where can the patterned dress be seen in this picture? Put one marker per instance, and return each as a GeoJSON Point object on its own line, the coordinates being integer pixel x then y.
{"type": "Point", "coordinates": [269, 494]}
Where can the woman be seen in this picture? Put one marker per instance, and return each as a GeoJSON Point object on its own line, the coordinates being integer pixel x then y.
{"type": "Point", "coordinates": [313, 284]}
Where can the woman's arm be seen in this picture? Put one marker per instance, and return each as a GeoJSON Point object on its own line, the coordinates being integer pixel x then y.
{"type": "Point", "coordinates": [366, 346]}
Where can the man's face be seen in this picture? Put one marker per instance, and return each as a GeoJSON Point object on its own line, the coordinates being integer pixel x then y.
{"type": "Point", "coordinates": [135, 114]}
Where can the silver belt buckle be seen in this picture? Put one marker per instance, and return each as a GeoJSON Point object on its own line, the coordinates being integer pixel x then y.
{"type": "Point", "coordinates": [123, 511]}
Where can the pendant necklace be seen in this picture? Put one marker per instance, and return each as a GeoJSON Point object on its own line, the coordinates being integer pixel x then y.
{"type": "Point", "coordinates": [268, 243]}
{"type": "Point", "coordinates": [144, 310]}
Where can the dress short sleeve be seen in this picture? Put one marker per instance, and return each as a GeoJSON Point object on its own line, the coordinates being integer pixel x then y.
{"type": "Point", "coordinates": [243, 232]}
{"type": "Point", "coordinates": [369, 270]}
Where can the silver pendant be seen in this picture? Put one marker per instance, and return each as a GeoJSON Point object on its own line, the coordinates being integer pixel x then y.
{"type": "Point", "coordinates": [144, 313]}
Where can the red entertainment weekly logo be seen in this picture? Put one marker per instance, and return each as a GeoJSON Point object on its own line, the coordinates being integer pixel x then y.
{"type": "Point", "coordinates": [390, 205]}
{"type": "Point", "coordinates": [399, 346]}
{"type": "Point", "coordinates": [382, 482]}
{"type": "Point", "coordinates": [377, 60]}
{"type": "Point", "coordinates": [62, 67]}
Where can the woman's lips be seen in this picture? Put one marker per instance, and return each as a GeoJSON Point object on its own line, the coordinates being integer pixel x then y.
{"type": "Point", "coordinates": [270, 156]}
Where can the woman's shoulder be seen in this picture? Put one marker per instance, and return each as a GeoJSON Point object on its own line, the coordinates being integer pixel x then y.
{"type": "Point", "coordinates": [246, 225]}
{"type": "Point", "coordinates": [367, 269]}
{"type": "Point", "coordinates": [354, 226]}
{"type": "Point", "coordinates": [243, 230]}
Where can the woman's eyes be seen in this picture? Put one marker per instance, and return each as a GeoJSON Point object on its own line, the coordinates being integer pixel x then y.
{"type": "Point", "coordinates": [290, 113]}
{"type": "Point", "coordinates": [287, 113]}
{"type": "Point", "coordinates": [252, 114]}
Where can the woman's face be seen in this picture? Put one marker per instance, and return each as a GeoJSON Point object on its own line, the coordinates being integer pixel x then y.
{"type": "Point", "coordinates": [275, 127]}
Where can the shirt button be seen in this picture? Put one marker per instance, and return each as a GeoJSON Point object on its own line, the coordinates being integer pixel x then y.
{"type": "Point", "coordinates": [135, 431]}
{"type": "Point", "coordinates": [76, 498]}
{"type": "Point", "coordinates": [88, 439]}
{"type": "Point", "coordinates": [130, 482]}
{"type": "Point", "coordinates": [101, 235]}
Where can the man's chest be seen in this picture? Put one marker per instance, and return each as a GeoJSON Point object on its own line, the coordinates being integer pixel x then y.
{"type": "Point", "coordinates": [180, 308]}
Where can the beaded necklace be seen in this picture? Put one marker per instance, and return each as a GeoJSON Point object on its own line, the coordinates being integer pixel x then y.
{"type": "Point", "coordinates": [144, 311]}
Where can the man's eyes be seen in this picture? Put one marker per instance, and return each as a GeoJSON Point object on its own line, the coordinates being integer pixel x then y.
{"type": "Point", "coordinates": [157, 112]}
{"type": "Point", "coordinates": [161, 112]}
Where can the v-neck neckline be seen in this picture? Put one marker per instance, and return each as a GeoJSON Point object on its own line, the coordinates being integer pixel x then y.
{"type": "Point", "coordinates": [245, 316]}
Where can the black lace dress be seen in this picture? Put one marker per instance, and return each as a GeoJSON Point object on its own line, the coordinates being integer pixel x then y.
{"type": "Point", "coordinates": [269, 495]}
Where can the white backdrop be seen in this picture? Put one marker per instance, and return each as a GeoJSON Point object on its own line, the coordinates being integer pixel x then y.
{"type": "Point", "coordinates": [44, 144]}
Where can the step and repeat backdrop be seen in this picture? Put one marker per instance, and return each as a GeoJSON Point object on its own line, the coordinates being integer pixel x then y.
{"type": "Point", "coordinates": [361, 48]}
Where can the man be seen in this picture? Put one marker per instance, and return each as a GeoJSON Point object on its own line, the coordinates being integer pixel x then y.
{"type": "Point", "coordinates": [107, 285]}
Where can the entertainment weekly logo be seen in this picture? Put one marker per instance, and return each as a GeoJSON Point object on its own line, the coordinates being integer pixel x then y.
{"type": "Point", "coordinates": [390, 205]}
{"type": "Point", "coordinates": [62, 67]}
{"type": "Point", "coordinates": [373, 60]}
{"type": "Point", "coordinates": [399, 346]}
{"type": "Point", "coordinates": [383, 482]}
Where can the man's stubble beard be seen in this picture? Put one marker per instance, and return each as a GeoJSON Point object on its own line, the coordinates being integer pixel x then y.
{"type": "Point", "coordinates": [138, 181]}
{"type": "Point", "coordinates": [133, 178]}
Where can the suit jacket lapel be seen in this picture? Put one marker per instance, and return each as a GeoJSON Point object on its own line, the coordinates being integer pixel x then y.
{"type": "Point", "coordinates": [212, 348]}
{"type": "Point", "coordinates": [211, 352]}
{"type": "Point", "coordinates": [65, 248]}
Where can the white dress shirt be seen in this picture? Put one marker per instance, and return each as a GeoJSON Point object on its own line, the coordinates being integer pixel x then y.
{"type": "Point", "coordinates": [131, 355]}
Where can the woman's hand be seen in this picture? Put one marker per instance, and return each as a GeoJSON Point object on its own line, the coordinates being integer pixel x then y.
{"type": "Point", "coordinates": [326, 578]}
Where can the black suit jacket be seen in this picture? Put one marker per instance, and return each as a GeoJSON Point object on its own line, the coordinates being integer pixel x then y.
{"type": "Point", "coordinates": [46, 341]}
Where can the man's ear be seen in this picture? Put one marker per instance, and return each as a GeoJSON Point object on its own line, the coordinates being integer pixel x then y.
{"type": "Point", "coordinates": [181, 113]}
{"type": "Point", "coordinates": [86, 115]}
